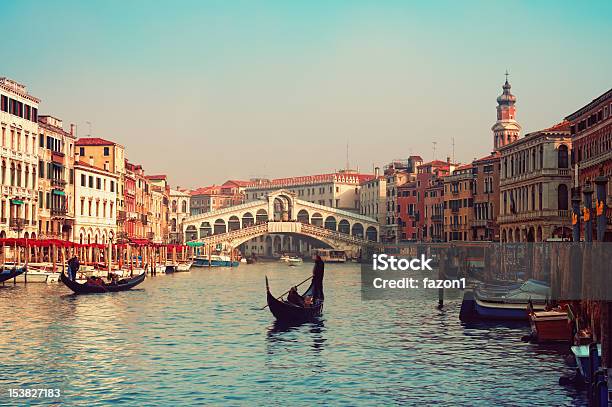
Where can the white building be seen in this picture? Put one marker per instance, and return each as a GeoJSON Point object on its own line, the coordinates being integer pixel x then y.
{"type": "Point", "coordinates": [179, 210]}
{"type": "Point", "coordinates": [19, 156]}
{"type": "Point", "coordinates": [95, 218]}
{"type": "Point", "coordinates": [373, 198]}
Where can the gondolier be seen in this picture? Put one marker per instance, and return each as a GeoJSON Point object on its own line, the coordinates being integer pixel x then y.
{"type": "Point", "coordinates": [74, 265]}
{"type": "Point", "coordinates": [317, 278]}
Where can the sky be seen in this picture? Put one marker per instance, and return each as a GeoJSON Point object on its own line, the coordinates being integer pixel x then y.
{"type": "Point", "coordinates": [206, 91]}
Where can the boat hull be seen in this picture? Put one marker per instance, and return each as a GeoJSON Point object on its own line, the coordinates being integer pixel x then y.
{"type": "Point", "coordinates": [550, 326]}
{"type": "Point", "coordinates": [502, 310]}
{"type": "Point", "coordinates": [95, 289]}
{"type": "Point", "coordinates": [7, 274]}
{"type": "Point", "coordinates": [215, 263]}
{"type": "Point", "coordinates": [292, 314]}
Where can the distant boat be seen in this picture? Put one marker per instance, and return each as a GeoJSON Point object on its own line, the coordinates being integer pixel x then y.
{"type": "Point", "coordinates": [184, 266]}
{"type": "Point", "coordinates": [284, 258]}
{"type": "Point", "coordinates": [294, 260]}
{"type": "Point", "coordinates": [36, 273]}
{"type": "Point", "coordinates": [215, 260]}
{"type": "Point", "coordinates": [330, 256]}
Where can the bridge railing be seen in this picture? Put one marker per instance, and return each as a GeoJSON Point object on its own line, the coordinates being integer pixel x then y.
{"type": "Point", "coordinates": [328, 233]}
{"type": "Point", "coordinates": [236, 234]}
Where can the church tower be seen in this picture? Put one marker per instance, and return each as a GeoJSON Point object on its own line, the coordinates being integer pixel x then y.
{"type": "Point", "coordinates": [506, 129]}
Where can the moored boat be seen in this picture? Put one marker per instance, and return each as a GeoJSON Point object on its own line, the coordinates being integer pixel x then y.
{"type": "Point", "coordinates": [215, 260]}
{"type": "Point", "coordinates": [550, 325]}
{"type": "Point", "coordinates": [11, 272]}
{"type": "Point", "coordinates": [287, 312]}
{"type": "Point", "coordinates": [90, 288]}
{"type": "Point", "coordinates": [35, 274]}
{"type": "Point", "coordinates": [181, 267]}
{"type": "Point", "coordinates": [294, 260]}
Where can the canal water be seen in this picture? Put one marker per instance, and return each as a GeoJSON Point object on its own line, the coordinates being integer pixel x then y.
{"type": "Point", "coordinates": [199, 338]}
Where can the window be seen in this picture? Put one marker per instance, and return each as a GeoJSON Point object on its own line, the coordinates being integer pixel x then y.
{"type": "Point", "coordinates": [562, 156]}
{"type": "Point", "coordinates": [106, 152]}
{"type": "Point", "coordinates": [83, 180]}
{"type": "Point", "coordinates": [91, 183]}
{"type": "Point", "coordinates": [98, 183]}
{"type": "Point", "coordinates": [562, 197]}
{"type": "Point", "coordinates": [112, 186]}
{"type": "Point", "coordinates": [81, 150]}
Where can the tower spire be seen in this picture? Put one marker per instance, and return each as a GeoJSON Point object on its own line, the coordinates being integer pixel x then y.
{"type": "Point", "coordinates": [506, 129]}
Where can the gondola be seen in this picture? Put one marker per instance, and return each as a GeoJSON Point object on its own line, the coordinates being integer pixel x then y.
{"type": "Point", "coordinates": [8, 273]}
{"type": "Point", "coordinates": [290, 313]}
{"type": "Point", "coordinates": [87, 288]}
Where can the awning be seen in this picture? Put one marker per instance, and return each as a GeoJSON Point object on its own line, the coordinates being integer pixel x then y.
{"type": "Point", "coordinates": [16, 201]}
{"type": "Point", "coordinates": [195, 244]}
{"type": "Point", "coordinates": [59, 192]}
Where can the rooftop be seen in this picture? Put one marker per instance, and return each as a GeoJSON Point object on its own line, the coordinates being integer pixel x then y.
{"type": "Point", "coordinates": [94, 141]}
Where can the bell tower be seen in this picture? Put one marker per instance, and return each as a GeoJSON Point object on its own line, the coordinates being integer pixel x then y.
{"type": "Point", "coordinates": [506, 129]}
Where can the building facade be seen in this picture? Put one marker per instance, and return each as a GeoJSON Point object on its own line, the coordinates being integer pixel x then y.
{"type": "Point", "coordinates": [535, 181]}
{"type": "Point", "coordinates": [373, 197]}
{"type": "Point", "coordinates": [95, 219]}
{"type": "Point", "coordinates": [433, 210]}
{"type": "Point", "coordinates": [459, 203]}
{"type": "Point", "coordinates": [55, 179]}
{"type": "Point", "coordinates": [397, 173]}
{"type": "Point", "coordinates": [216, 197]}
{"type": "Point", "coordinates": [486, 198]}
{"type": "Point", "coordinates": [591, 132]}
{"type": "Point", "coordinates": [160, 210]}
{"type": "Point", "coordinates": [19, 131]}
{"type": "Point", "coordinates": [179, 210]}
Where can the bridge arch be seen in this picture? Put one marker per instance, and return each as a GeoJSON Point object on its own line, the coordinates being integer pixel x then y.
{"type": "Point", "coordinates": [372, 234]}
{"type": "Point", "coordinates": [261, 216]}
{"type": "Point", "coordinates": [316, 219]}
{"type": "Point", "coordinates": [191, 233]}
{"type": "Point", "coordinates": [303, 216]}
{"type": "Point", "coordinates": [330, 223]}
{"type": "Point", "coordinates": [357, 230]}
{"type": "Point", "coordinates": [205, 229]}
{"type": "Point", "coordinates": [344, 227]}
{"type": "Point", "coordinates": [220, 227]}
{"type": "Point", "coordinates": [247, 220]}
{"type": "Point", "coordinates": [233, 223]}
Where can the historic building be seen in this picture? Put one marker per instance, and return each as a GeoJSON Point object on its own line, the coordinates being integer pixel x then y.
{"type": "Point", "coordinates": [56, 179]}
{"type": "Point", "coordinates": [373, 197]}
{"type": "Point", "coordinates": [407, 215]}
{"type": "Point", "coordinates": [136, 197]}
{"type": "Point", "coordinates": [337, 190]}
{"type": "Point", "coordinates": [95, 195]}
{"type": "Point", "coordinates": [215, 197]}
{"type": "Point", "coordinates": [506, 129]}
{"type": "Point", "coordinates": [108, 156]}
{"type": "Point", "coordinates": [486, 197]}
{"type": "Point", "coordinates": [427, 175]}
{"type": "Point", "coordinates": [397, 173]}
{"type": "Point", "coordinates": [459, 203]}
{"type": "Point", "coordinates": [591, 132]}
{"type": "Point", "coordinates": [159, 219]}
{"type": "Point", "coordinates": [535, 181]}
{"type": "Point", "coordinates": [433, 211]}
{"type": "Point", "coordinates": [179, 210]}
{"type": "Point", "coordinates": [19, 154]}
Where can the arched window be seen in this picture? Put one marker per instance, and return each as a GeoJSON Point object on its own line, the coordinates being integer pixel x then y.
{"type": "Point", "coordinates": [562, 157]}
{"type": "Point", "coordinates": [562, 197]}
{"type": "Point", "coordinates": [184, 207]}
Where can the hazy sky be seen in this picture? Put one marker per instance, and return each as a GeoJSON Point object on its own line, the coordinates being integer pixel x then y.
{"type": "Point", "coordinates": [207, 91]}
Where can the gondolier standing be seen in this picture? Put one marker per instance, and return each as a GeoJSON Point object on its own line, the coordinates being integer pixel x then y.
{"type": "Point", "coordinates": [317, 278]}
{"type": "Point", "coordinates": [74, 265]}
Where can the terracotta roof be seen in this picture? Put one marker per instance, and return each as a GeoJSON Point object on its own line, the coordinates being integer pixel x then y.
{"type": "Point", "coordinates": [157, 177]}
{"type": "Point", "coordinates": [494, 155]}
{"type": "Point", "coordinates": [464, 167]}
{"type": "Point", "coordinates": [94, 141]}
{"type": "Point", "coordinates": [239, 183]}
{"type": "Point", "coordinates": [563, 126]}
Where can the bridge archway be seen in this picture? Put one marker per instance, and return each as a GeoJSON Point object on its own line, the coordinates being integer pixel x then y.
{"type": "Point", "coordinates": [357, 230]}
{"type": "Point", "coordinates": [233, 223]}
{"type": "Point", "coordinates": [303, 216]}
{"type": "Point", "coordinates": [371, 234]}
{"type": "Point", "coordinates": [316, 219]}
{"type": "Point", "coordinates": [344, 227]}
{"type": "Point", "coordinates": [247, 220]}
{"type": "Point", "coordinates": [220, 227]}
{"type": "Point", "coordinates": [330, 223]}
{"type": "Point", "coordinates": [191, 233]}
{"type": "Point", "coordinates": [205, 229]}
{"type": "Point", "coordinates": [261, 216]}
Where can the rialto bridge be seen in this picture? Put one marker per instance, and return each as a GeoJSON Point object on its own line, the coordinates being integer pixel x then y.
{"type": "Point", "coordinates": [292, 221]}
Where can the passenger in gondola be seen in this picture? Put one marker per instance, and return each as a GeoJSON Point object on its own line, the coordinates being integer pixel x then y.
{"type": "Point", "coordinates": [317, 278]}
{"type": "Point", "coordinates": [73, 267]}
{"type": "Point", "coordinates": [294, 298]}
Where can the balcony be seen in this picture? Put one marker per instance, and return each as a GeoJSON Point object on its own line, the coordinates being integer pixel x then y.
{"type": "Point", "coordinates": [563, 215]}
{"type": "Point", "coordinates": [57, 157]}
{"type": "Point", "coordinates": [58, 212]}
{"type": "Point", "coordinates": [436, 218]}
{"type": "Point", "coordinates": [455, 226]}
{"type": "Point", "coordinates": [18, 223]}
{"type": "Point", "coordinates": [479, 223]}
{"type": "Point", "coordinates": [454, 209]}
{"type": "Point", "coordinates": [3, 220]}
{"type": "Point", "coordinates": [58, 183]}
{"type": "Point", "coordinates": [150, 235]}
{"type": "Point", "coordinates": [121, 216]}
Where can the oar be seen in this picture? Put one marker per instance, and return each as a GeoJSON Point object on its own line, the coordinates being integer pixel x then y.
{"type": "Point", "coordinates": [280, 296]}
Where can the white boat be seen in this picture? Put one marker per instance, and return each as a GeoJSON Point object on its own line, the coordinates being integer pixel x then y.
{"type": "Point", "coordinates": [160, 268]}
{"type": "Point", "coordinates": [294, 260]}
{"type": "Point", "coordinates": [284, 258]}
{"type": "Point", "coordinates": [184, 266]}
{"type": "Point", "coordinates": [38, 275]}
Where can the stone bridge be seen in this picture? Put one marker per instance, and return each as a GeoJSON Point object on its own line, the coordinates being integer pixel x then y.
{"type": "Point", "coordinates": [281, 212]}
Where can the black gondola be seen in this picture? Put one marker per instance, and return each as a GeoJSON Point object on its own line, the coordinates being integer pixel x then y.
{"type": "Point", "coordinates": [290, 313]}
{"type": "Point", "coordinates": [86, 288]}
{"type": "Point", "coordinates": [8, 273]}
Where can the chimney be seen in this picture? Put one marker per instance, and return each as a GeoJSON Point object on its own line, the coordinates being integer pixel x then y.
{"type": "Point", "coordinates": [73, 129]}
{"type": "Point", "coordinates": [91, 161]}
{"type": "Point", "coordinates": [447, 159]}
{"type": "Point", "coordinates": [376, 171]}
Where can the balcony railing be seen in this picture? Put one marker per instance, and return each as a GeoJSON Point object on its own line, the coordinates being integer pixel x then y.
{"type": "Point", "coordinates": [60, 183]}
{"type": "Point", "coordinates": [535, 215]}
{"type": "Point", "coordinates": [17, 223]}
{"type": "Point", "coordinates": [150, 235]}
{"type": "Point", "coordinates": [479, 223]}
{"type": "Point", "coordinates": [58, 212]}
{"type": "Point", "coordinates": [436, 218]}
